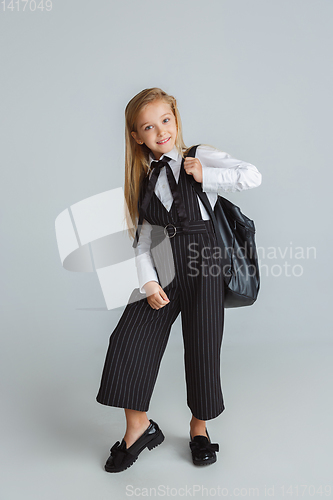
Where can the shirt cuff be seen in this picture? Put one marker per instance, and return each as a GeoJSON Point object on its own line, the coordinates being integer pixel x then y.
{"type": "Point", "coordinates": [146, 270]}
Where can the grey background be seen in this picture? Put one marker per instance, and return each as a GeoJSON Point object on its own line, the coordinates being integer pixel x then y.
{"type": "Point", "coordinates": [251, 78]}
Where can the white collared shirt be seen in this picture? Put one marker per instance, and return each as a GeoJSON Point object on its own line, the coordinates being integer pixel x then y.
{"type": "Point", "coordinates": [221, 173]}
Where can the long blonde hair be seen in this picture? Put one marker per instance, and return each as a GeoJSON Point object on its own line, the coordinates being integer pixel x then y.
{"type": "Point", "coordinates": [137, 156]}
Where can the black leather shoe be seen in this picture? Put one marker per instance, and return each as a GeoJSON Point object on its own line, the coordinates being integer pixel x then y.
{"type": "Point", "coordinates": [121, 457]}
{"type": "Point", "coordinates": [203, 450]}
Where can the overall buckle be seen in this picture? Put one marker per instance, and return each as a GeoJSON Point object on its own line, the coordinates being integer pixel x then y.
{"type": "Point", "coordinates": [166, 231]}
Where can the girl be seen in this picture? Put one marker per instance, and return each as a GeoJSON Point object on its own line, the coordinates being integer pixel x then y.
{"type": "Point", "coordinates": [156, 171]}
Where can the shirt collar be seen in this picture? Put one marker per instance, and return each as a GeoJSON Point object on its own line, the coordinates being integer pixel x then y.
{"type": "Point", "coordinates": [173, 154]}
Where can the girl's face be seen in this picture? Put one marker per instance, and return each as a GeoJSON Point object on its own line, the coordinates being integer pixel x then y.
{"type": "Point", "coordinates": [156, 128]}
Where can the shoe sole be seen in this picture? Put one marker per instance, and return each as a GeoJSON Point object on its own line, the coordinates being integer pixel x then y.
{"type": "Point", "coordinates": [151, 445]}
{"type": "Point", "coordinates": [204, 462]}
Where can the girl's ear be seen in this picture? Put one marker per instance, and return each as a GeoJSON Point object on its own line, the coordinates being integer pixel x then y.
{"type": "Point", "coordinates": [134, 135]}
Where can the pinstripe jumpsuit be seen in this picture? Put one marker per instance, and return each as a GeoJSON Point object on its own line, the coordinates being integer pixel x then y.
{"type": "Point", "coordinates": [138, 342]}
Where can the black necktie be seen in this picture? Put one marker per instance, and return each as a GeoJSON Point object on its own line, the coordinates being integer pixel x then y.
{"type": "Point", "coordinates": [157, 165]}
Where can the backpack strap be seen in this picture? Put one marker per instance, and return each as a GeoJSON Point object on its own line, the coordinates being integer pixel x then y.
{"type": "Point", "coordinates": [192, 151]}
{"type": "Point", "coordinates": [204, 198]}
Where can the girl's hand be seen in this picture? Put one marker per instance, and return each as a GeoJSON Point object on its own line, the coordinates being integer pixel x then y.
{"type": "Point", "coordinates": [193, 167]}
{"type": "Point", "coordinates": [156, 296]}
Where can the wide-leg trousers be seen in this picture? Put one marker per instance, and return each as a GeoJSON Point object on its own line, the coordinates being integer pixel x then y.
{"type": "Point", "coordinates": [138, 342]}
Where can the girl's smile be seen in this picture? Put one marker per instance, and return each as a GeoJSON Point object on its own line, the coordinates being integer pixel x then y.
{"type": "Point", "coordinates": [156, 127]}
{"type": "Point", "coordinates": [164, 141]}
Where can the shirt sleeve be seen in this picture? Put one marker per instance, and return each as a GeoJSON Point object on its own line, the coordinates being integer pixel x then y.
{"type": "Point", "coordinates": [143, 259]}
{"type": "Point", "coordinates": [223, 173]}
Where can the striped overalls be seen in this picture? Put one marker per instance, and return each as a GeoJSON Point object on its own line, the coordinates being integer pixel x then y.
{"type": "Point", "coordinates": [138, 342]}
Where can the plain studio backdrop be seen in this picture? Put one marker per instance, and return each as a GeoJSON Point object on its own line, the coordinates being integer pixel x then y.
{"type": "Point", "coordinates": [252, 78]}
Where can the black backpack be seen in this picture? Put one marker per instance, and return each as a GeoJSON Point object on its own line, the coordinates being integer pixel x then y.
{"type": "Point", "coordinates": [236, 238]}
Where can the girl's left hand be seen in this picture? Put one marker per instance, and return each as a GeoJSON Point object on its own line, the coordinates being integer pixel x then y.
{"type": "Point", "coordinates": [193, 167]}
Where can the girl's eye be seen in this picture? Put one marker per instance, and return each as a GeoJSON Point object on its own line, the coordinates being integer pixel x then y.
{"type": "Point", "coordinates": [165, 120]}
